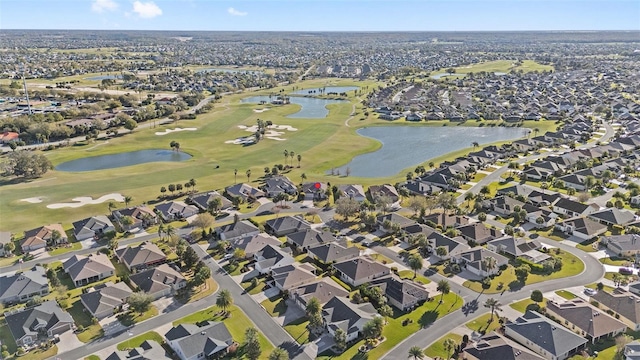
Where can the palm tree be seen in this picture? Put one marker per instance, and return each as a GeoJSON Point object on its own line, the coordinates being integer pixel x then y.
{"type": "Point", "coordinates": [299, 159]}
{"type": "Point", "coordinates": [489, 263]}
{"type": "Point", "coordinates": [127, 200]}
{"type": "Point", "coordinates": [494, 305]}
{"type": "Point", "coordinates": [248, 175]}
{"type": "Point", "coordinates": [415, 263]}
{"type": "Point", "coordinates": [161, 231]}
{"type": "Point", "coordinates": [170, 231]}
{"type": "Point", "coordinates": [235, 176]}
{"type": "Point", "coordinates": [444, 288]}
{"type": "Point", "coordinates": [536, 131]}
{"type": "Point", "coordinates": [303, 177]}
{"type": "Point", "coordinates": [416, 352]}
{"type": "Point", "coordinates": [291, 155]}
{"type": "Point", "coordinates": [286, 156]}
{"type": "Point", "coordinates": [449, 345]}
{"type": "Point", "coordinates": [192, 182]}
{"type": "Point", "coordinates": [224, 300]}
{"type": "Point", "coordinates": [468, 196]}
{"type": "Point", "coordinates": [111, 206]}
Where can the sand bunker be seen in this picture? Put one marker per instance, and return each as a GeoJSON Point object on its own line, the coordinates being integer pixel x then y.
{"type": "Point", "coordinates": [87, 200]}
{"type": "Point", "coordinates": [270, 133]}
{"type": "Point", "coordinates": [33, 200]}
{"type": "Point", "coordinates": [260, 110]}
{"type": "Point", "coordinates": [242, 141]}
{"type": "Point", "coordinates": [169, 131]}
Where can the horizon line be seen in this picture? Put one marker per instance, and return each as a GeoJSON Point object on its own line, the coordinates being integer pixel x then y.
{"type": "Point", "coordinates": [337, 31]}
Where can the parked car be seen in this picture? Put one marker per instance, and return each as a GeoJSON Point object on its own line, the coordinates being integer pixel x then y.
{"type": "Point", "coordinates": [227, 256]}
{"type": "Point", "coordinates": [625, 271]}
{"type": "Point", "coordinates": [590, 291]}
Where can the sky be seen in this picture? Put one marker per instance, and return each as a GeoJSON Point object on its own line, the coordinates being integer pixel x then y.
{"type": "Point", "coordinates": [321, 15]}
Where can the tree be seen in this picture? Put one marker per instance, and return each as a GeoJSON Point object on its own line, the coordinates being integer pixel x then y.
{"type": "Point", "coordinates": [203, 221]}
{"type": "Point", "coordinates": [163, 190]}
{"type": "Point", "coordinates": [279, 354]}
{"type": "Point", "coordinates": [482, 216]}
{"type": "Point", "coordinates": [347, 207]}
{"type": "Point", "coordinates": [444, 288]}
{"type": "Point", "coordinates": [417, 204]}
{"type": "Point", "coordinates": [286, 156]}
{"type": "Point", "coordinates": [441, 251]}
{"type": "Point", "coordinates": [536, 295]}
{"type": "Point", "coordinates": [522, 273]}
{"type": "Point", "coordinates": [251, 344]}
{"type": "Point", "coordinates": [340, 337]}
{"type": "Point", "coordinates": [489, 263]}
{"type": "Point", "coordinates": [415, 263]}
{"type": "Point", "coordinates": [224, 300]}
{"type": "Point", "coordinates": [446, 201]}
{"type": "Point", "coordinates": [27, 164]}
{"type": "Point", "coordinates": [214, 205]}
{"type": "Point", "coordinates": [468, 196]}
{"type": "Point", "coordinates": [385, 310]}
{"type": "Point", "coordinates": [202, 275]}
{"type": "Point", "coordinates": [383, 203]}
{"type": "Point", "coordinates": [172, 188]}
{"type": "Point", "coordinates": [373, 328]}
{"type": "Point", "coordinates": [179, 187]}
{"type": "Point", "coordinates": [449, 345]}
{"type": "Point", "coordinates": [190, 257]}
{"type": "Point", "coordinates": [130, 124]}
{"type": "Point", "coordinates": [9, 247]}
{"type": "Point", "coordinates": [55, 237]}
{"type": "Point", "coordinates": [140, 301]}
{"type": "Point", "coordinates": [416, 353]}
{"type": "Point", "coordinates": [192, 182]}
{"type": "Point", "coordinates": [494, 305]}
{"type": "Point", "coordinates": [621, 342]}
{"type": "Point", "coordinates": [299, 159]}
{"type": "Point", "coordinates": [313, 310]}
{"type": "Point", "coordinates": [170, 231]}
{"type": "Point", "coordinates": [303, 177]}
{"type": "Point", "coordinates": [248, 172]}
{"type": "Point", "coordinates": [127, 200]}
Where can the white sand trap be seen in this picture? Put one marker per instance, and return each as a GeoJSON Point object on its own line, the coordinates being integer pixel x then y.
{"type": "Point", "coordinates": [260, 110]}
{"type": "Point", "coordinates": [270, 133]}
{"type": "Point", "coordinates": [33, 200]}
{"type": "Point", "coordinates": [169, 131]}
{"type": "Point", "coordinates": [87, 200]}
{"type": "Point", "coordinates": [241, 141]}
{"type": "Point", "coordinates": [276, 138]}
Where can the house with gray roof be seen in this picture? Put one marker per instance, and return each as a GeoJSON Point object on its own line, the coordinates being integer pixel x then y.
{"type": "Point", "coordinates": [84, 270]}
{"type": "Point", "coordinates": [332, 252]}
{"type": "Point", "coordinates": [473, 260]}
{"type": "Point", "coordinates": [623, 303]}
{"type": "Point", "coordinates": [191, 342]}
{"type": "Point", "coordinates": [626, 245]}
{"type": "Point", "coordinates": [42, 321]}
{"type": "Point", "coordinates": [279, 185]}
{"type": "Point", "coordinates": [518, 247]}
{"type": "Point", "coordinates": [23, 286]}
{"type": "Point", "coordinates": [142, 217]}
{"type": "Point", "coordinates": [92, 227]}
{"type": "Point", "coordinates": [392, 218]}
{"type": "Point", "coordinates": [175, 210]}
{"type": "Point", "coordinates": [581, 227]}
{"type": "Point", "coordinates": [571, 208]}
{"type": "Point", "coordinates": [453, 246]}
{"type": "Point", "coordinates": [101, 300]}
{"type": "Point", "coordinates": [286, 225]}
{"type": "Point", "coordinates": [160, 281]}
{"type": "Point", "coordinates": [323, 290]}
{"type": "Point", "coordinates": [244, 191]}
{"type": "Point", "coordinates": [446, 220]}
{"type": "Point", "coordinates": [632, 350]}
{"type": "Point", "coordinates": [585, 319]}
{"type": "Point", "coordinates": [493, 346]}
{"type": "Point", "coordinates": [543, 336]}
{"type": "Point", "coordinates": [303, 240]}
{"type": "Point", "coordinates": [202, 200]}
{"type": "Point", "coordinates": [252, 244]}
{"type": "Point", "coordinates": [142, 256]}
{"type": "Point", "coordinates": [404, 294]}
{"type": "Point", "coordinates": [148, 350]}
{"type": "Point", "coordinates": [271, 257]}
{"type": "Point", "coordinates": [287, 277]}
{"type": "Point", "coordinates": [237, 230]}
{"type": "Point", "coordinates": [355, 192]}
{"type": "Point", "coordinates": [340, 313]}
{"type": "Point", "coordinates": [356, 272]}
{"type": "Point", "coordinates": [478, 233]}
{"type": "Point", "coordinates": [613, 216]}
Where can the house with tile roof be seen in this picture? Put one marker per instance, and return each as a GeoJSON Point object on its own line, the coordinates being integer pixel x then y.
{"type": "Point", "coordinates": [286, 225]}
{"type": "Point", "coordinates": [39, 238]}
{"type": "Point", "coordinates": [142, 256]}
{"type": "Point", "coordinates": [175, 210]}
{"type": "Point", "coordinates": [585, 319]}
{"type": "Point", "coordinates": [84, 270]}
{"type": "Point", "coordinates": [613, 216]}
{"type": "Point", "coordinates": [472, 260]}
{"type": "Point", "coordinates": [102, 300]}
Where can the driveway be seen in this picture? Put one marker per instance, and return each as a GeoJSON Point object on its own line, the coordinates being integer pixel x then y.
{"type": "Point", "coordinates": [111, 325]}
{"type": "Point", "coordinates": [69, 341]}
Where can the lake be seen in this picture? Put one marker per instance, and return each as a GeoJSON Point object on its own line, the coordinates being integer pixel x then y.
{"type": "Point", "coordinates": [327, 89]}
{"type": "Point", "coordinates": [408, 146]}
{"type": "Point", "coordinates": [122, 159]}
{"type": "Point", "coordinates": [311, 108]}
{"type": "Point", "coordinates": [104, 77]}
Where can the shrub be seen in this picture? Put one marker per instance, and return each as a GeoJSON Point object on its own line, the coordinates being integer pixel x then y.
{"type": "Point", "coordinates": [536, 295]}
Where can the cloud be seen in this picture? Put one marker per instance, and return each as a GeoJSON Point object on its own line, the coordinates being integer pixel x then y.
{"type": "Point", "coordinates": [235, 12]}
{"type": "Point", "coordinates": [103, 5]}
{"type": "Point", "coordinates": [146, 10]}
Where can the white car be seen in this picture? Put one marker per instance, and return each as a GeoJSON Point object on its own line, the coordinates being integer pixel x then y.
{"type": "Point", "coordinates": [590, 291]}
{"type": "Point", "coordinates": [227, 257]}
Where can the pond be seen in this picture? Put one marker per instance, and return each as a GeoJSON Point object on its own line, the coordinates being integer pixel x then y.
{"type": "Point", "coordinates": [327, 90]}
{"type": "Point", "coordinates": [122, 159]}
{"type": "Point", "coordinates": [243, 71]}
{"type": "Point", "coordinates": [311, 108]}
{"type": "Point", "coordinates": [408, 146]}
{"type": "Point", "coordinates": [104, 77]}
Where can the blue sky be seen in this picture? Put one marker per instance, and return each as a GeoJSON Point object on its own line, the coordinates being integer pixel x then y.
{"type": "Point", "coordinates": [321, 15]}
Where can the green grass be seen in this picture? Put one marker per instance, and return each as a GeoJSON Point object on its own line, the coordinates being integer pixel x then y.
{"type": "Point", "coordinates": [481, 323]}
{"type": "Point", "coordinates": [298, 330]}
{"type": "Point", "coordinates": [131, 318]}
{"type": "Point", "coordinates": [92, 357]}
{"type": "Point", "coordinates": [91, 331]}
{"type": "Point", "coordinates": [521, 305]}
{"type": "Point", "coordinates": [437, 350]}
{"type": "Point", "coordinates": [616, 261]}
{"type": "Point", "coordinates": [234, 270]}
{"type": "Point", "coordinates": [7, 339]}
{"type": "Point", "coordinates": [503, 66]}
{"type": "Point", "coordinates": [254, 290]}
{"type": "Point", "coordinates": [237, 323]}
{"type": "Point", "coordinates": [275, 306]}
{"type": "Point", "coordinates": [138, 340]}
{"type": "Point", "coordinates": [39, 354]}
{"type": "Point", "coordinates": [566, 294]}
{"type": "Point", "coordinates": [75, 246]}
{"type": "Point", "coordinates": [408, 274]}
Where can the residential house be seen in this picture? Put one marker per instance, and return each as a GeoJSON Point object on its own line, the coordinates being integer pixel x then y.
{"type": "Point", "coordinates": [404, 294]}
{"type": "Point", "coordinates": [340, 313]}
{"type": "Point", "coordinates": [252, 244]}
{"type": "Point", "coordinates": [271, 257]}
{"type": "Point", "coordinates": [356, 272]}
{"type": "Point", "coordinates": [286, 225]}
{"type": "Point", "coordinates": [314, 191]}
{"type": "Point", "coordinates": [333, 252]}
{"type": "Point", "coordinates": [323, 290]}
{"type": "Point", "coordinates": [632, 350]}
{"type": "Point", "coordinates": [279, 185]}
{"type": "Point", "coordinates": [391, 219]}
{"type": "Point", "coordinates": [8, 136]}
{"type": "Point", "coordinates": [354, 191]}
{"type": "Point", "coordinates": [142, 256]}
{"type": "Point", "coordinates": [202, 200]}
{"type": "Point", "coordinates": [570, 208]}
{"type": "Point", "coordinates": [237, 230]}
{"type": "Point", "coordinates": [158, 282]}
{"type": "Point", "coordinates": [175, 210]}
{"type": "Point", "coordinates": [23, 286]}
{"type": "Point", "coordinates": [102, 300]}
{"type": "Point", "coordinates": [613, 216]}
{"type": "Point", "coordinates": [303, 240]}
{"type": "Point", "coordinates": [515, 190]}
{"type": "Point", "coordinates": [478, 233]}
{"type": "Point", "coordinates": [387, 190]}
{"type": "Point", "coordinates": [193, 342]}
{"type": "Point", "coordinates": [540, 217]}
{"type": "Point", "coordinates": [518, 247]}
{"type": "Point", "coordinates": [493, 346]}
{"type": "Point", "coordinates": [28, 325]}
{"type": "Point", "coordinates": [623, 303]}
{"type": "Point", "coordinates": [585, 319]}
{"type": "Point", "coordinates": [148, 350]}
{"type": "Point", "coordinates": [446, 220]}
{"type": "Point", "coordinates": [504, 205]}
{"type": "Point", "coordinates": [474, 261]}
{"type": "Point", "coordinates": [244, 191]}
{"type": "Point", "coordinates": [141, 216]}
{"type": "Point", "coordinates": [92, 227]}
{"type": "Point", "coordinates": [581, 227]}
{"type": "Point", "coordinates": [627, 245]}
{"type": "Point", "coordinates": [5, 238]}
{"type": "Point", "coordinates": [291, 276]}
{"type": "Point", "coordinates": [40, 237]}
{"type": "Point", "coordinates": [84, 270]}
{"type": "Point", "coordinates": [451, 246]}
{"type": "Point", "coordinates": [544, 337]}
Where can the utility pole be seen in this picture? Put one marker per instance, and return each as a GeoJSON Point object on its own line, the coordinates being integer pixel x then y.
{"type": "Point", "coordinates": [26, 93]}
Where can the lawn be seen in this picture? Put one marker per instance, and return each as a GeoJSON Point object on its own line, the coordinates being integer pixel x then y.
{"type": "Point", "coordinates": [275, 306]}
{"type": "Point", "coordinates": [523, 304]}
{"type": "Point", "coordinates": [481, 323]}
{"type": "Point", "coordinates": [210, 287]}
{"type": "Point", "coordinates": [616, 261]}
{"type": "Point", "coordinates": [503, 66]}
{"type": "Point", "coordinates": [566, 294]}
{"type": "Point", "coordinates": [234, 270]}
{"type": "Point", "coordinates": [40, 354]}
{"type": "Point", "coordinates": [437, 350]}
{"type": "Point", "coordinates": [131, 318]}
{"type": "Point", "coordinates": [91, 331]}
{"type": "Point", "coordinates": [7, 339]}
{"type": "Point", "coordinates": [254, 290]}
{"type": "Point", "coordinates": [92, 357]}
{"type": "Point", "coordinates": [63, 250]}
{"type": "Point", "coordinates": [298, 330]}
{"type": "Point", "coordinates": [408, 274]}
{"type": "Point", "coordinates": [395, 331]}
{"type": "Point", "coordinates": [136, 341]}
{"type": "Point", "coordinates": [237, 323]}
